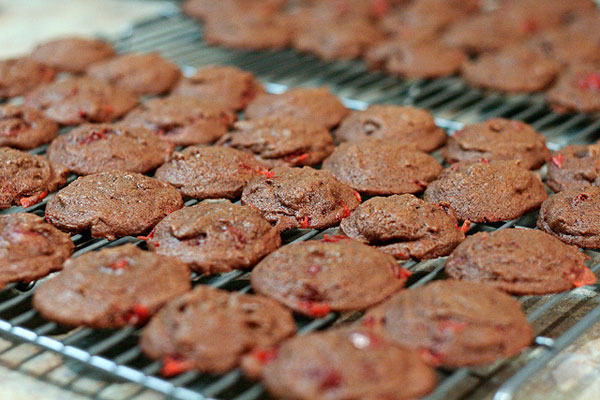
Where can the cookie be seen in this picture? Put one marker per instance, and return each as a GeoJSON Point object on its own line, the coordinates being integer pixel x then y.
{"type": "Point", "coordinates": [487, 191]}
{"type": "Point", "coordinates": [576, 90]}
{"type": "Point", "coordinates": [25, 128]}
{"type": "Point", "coordinates": [189, 332]}
{"type": "Point", "coordinates": [574, 166]}
{"type": "Point", "coordinates": [405, 227]}
{"type": "Point", "coordinates": [182, 120]}
{"type": "Point", "coordinates": [26, 179]}
{"type": "Point", "coordinates": [316, 277]}
{"type": "Point", "coordinates": [139, 73]}
{"type": "Point", "coordinates": [300, 198]}
{"type": "Point", "coordinates": [316, 105]}
{"type": "Point", "coordinates": [278, 141]}
{"type": "Point", "coordinates": [454, 324]}
{"type": "Point", "coordinates": [20, 75]}
{"type": "Point", "coordinates": [248, 31]}
{"type": "Point", "coordinates": [203, 9]}
{"type": "Point", "coordinates": [498, 139]}
{"type": "Point", "coordinates": [30, 248]}
{"type": "Point", "coordinates": [73, 101]}
{"type": "Point", "coordinates": [210, 172]}
{"type": "Point", "coordinates": [566, 46]}
{"type": "Point", "coordinates": [346, 363]}
{"type": "Point", "coordinates": [404, 125]}
{"type": "Point", "coordinates": [72, 54]}
{"type": "Point", "coordinates": [111, 288]}
{"type": "Point", "coordinates": [112, 204]}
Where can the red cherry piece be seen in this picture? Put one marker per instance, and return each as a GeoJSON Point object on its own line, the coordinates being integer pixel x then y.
{"type": "Point", "coordinates": [558, 160]}
{"type": "Point", "coordinates": [174, 366]}
{"type": "Point", "coordinates": [317, 310]}
{"type": "Point", "coordinates": [35, 198]}
{"type": "Point", "coordinates": [264, 356]}
{"type": "Point", "coordinates": [401, 272]}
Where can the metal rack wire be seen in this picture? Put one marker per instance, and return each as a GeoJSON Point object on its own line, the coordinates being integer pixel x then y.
{"type": "Point", "coordinates": [116, 354]}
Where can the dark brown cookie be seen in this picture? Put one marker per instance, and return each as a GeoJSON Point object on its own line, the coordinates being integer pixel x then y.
{"type": "Point", "coordinates": [574, 166]}
{"type": "Point", "coordinates": [139, 73]}
{"type": "Point", "coordinates": [498, 139]}
{"type": "Point", "coordinates": [577, 89]}
{"type": "Point", "coordinates": [487, 191]}
{"type": "Point", "coordinates": [379, 167]}
{"type": "Point", "coordinates": [300, 198]}
{"type": "Point", "coordinates": [248, 31]}
{"type": "Point", "coordinates": [573, 216]}
{"type": "Point", "coordinates": [347, 363]}
{"type": "Point", "coordinates": [316, 105]}
{"type": "Point", "coordinates": [182, 120]}
{"type": "Point", "coordinates": [72, 54]}
{"type": "Point", "coordinates": [30, 248]}
{"type": "Point", "coordinates": [18, 76]}
{"type": "Point", "coordinates": [316, 277]}
{"type": "Point", "coordinates": [111, 288]}
{"type": "Point", "coordinates": [73, 101]}
{"type": "Point", "coordinates": [25, 179]}
{"type": "Point", "coordinates": [405, 227]}
{"type": "Point", "coordinates": [215, 237]}
{"type": "Point", "coordinates": [112, 204]}
{"type": "Point", "coordinates": [210, 172]}
{"type": "Point", "coordinates": [278, 141]}
{"type": "Point", "coordinates": [403, 125]}
{"type": "Point", "coordinates": [89, 149]}
{"type": "Point", "coordinates": [566, 46]}
{"type": "Point", "coordinates": [454, 323]}
{"type": "Point", "coordinates": [25, 128]}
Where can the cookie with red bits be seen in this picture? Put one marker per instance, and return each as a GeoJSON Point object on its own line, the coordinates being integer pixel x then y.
{"type": "Point", "coordinates": [25, 128]}
{"type": "Point", "coordinates": [72, 54]}
{"type": "Point", "coordinates": [576, 90]}
{"type": "Point", "coordinates": [18, 76]}
{"type": "Point", "coordinates": [574, 166]}
{"type": "Point", "coordinates": [111, 288]}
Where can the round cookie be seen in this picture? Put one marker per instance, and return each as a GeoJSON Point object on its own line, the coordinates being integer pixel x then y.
{"type": "Point", "coordinates": [487, 191]}
{"type": "Point", "coordinates": [577, 90]}
{"type": "Point", "coordinates": [20, 75]}
{"type": "Point", "coordinates": [498, 139]}
{"type": "Point", "coordinates": [139, 73]}
{"type": "Point", "coordinates": [566, 46]}
{"type": "Point", "coordinates": [520, 261]}
{"type": "Point", "coordinates": [248, 31]}
{"type": "Point", "coordinates": [25, 128]}
{"type": "Point", "coordinates": [300, 198]}
{"type": "Point", "coordinates": [405, 227]}
{"type": "Point", "coordinates": [203, 9]}
{"type": "Point", "coordinates": [454, 324]}
{"type": "Point", "coordinates": [210, 172]}
{"type": "Point", "coordinates": [182, 120]}
{"type": "Point", "coordinates": [30, 248]}
{"type": "Point", "coordinates": [189, 332]}
{"type": "Point", "coordinates": [72, 54]}
{"type": "Point", "coordinates": [89, 149]}
{"type": "Point", "coordinates": [215, 237]}
{"type": "Point", "coordinates": [111, 288]}
{"type": "Point", "coordinates": [73, 101]}
{"type": "Point", "coordinates": [378, 167]}
{"type": "Point", "coordinates": [346, 363]}
{"type": "Point", "coordinates": [574, 166]}
{"type": "Point", "coordinates": [278, 141]}
{"type": "Point", "coordinates": [316, 105]}
{"type": "Point", "coordinates": [316, 277]}
{"type": "Point", "coordinates": [26, 179]}
{"type": "Point", "coordinates": [403, 125]}
{"type": "Point", "coordinates": [112, 204]}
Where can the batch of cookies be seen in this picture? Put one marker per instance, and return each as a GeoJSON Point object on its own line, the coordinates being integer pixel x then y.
{"type": "Point", "coordinates": [144, 141]}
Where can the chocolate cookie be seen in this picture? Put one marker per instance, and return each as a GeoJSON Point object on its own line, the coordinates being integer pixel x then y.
{"type": "Point", "coordinates": [566, 46]}
{"type": "Point", "coordinates": [189, 332]}
{"type": "Point", "coordinates": [210, 172]}
{"type": "Point", "coordinates": [577, 89]}
{"type": "Point", "coordinates": [316, 105]}
{"type": "Point", "coordinates": [405, 227]}
{"type": "Point", "coordinates": [72, 54]}
{"type": "Point", "coordinates": [277, 141]}
{"type": "Point", "coordinates": [498, 139]}
{"type": "Point", "coordinates": [111, 288]}
{"type": "Point", "coordinates": [25, 179]}
{"type": "Point", "coordinates": [25, 128]}
{"type": "Point", "coordinates": [487, 191]}
{"type": "Point", "coordinates": [182, 120]}
{"type": "Point", "coordinates": [139, 73]}
{"type": "Point", "coordinates": [30, 248]}
{"type": "Point", "coordinates": [18, 76]}
{"type": "Point", "coordinates": [403, 125]}
{"type": "Point", "coordinates": [203, 9]}
{"type": "Point", "coordinates": [346, 363]}
{"type": "Point", "coordinates": [379, 167]}
{"type": "Point", "coordinates": [112, 204]}
{"type": "Point", "coordinates": [454, 324]}
{"type": "Point", "coordinates": [574, 166]}
{"type": "Point", "coordinates": [248, 31]}
{"type": "Point", "coordinates": [300, 198]}
{"type": "Point", "coordinates": [73, 101]}
{"type": "Point", "coordinates": [223, 84]}
{"type": "Point", "coordinates": [573, 216]}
